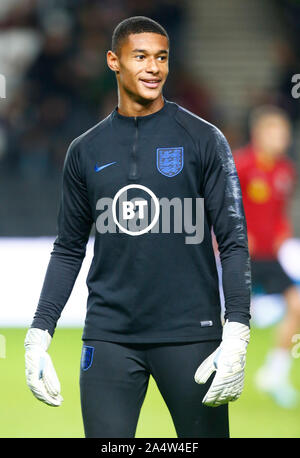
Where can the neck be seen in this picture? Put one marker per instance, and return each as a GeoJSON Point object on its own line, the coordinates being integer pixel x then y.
{"type": "Point", "coordinates": [129, 107]}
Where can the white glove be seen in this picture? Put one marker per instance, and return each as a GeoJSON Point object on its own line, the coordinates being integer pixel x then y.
{"type": "Point", "coordinates": [229, 361]}
{"type": "Point", "coordinates": [40, 373]}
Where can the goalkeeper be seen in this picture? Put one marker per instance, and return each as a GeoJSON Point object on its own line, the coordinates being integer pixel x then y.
{"type": "Point", "coordinates": [153, 305]}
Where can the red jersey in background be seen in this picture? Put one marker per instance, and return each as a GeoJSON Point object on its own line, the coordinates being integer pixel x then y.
{"type": "Point", "coordinates": [266, 190]}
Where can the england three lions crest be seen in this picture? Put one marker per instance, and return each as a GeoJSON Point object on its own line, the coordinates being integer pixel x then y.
{"type": "Point", "coordinates": [169, 161]}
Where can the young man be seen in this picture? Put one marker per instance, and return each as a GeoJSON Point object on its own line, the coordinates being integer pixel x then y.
{"type": "Point", "coordinates": [267, 180]}
{"type": "Point", "coordinates": [153, 304]}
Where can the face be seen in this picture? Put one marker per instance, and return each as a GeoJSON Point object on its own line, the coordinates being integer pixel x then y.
{"type": "Point", "coordinates": [141, 66]}
{"type": "Point", "coordinates": [272, 135]}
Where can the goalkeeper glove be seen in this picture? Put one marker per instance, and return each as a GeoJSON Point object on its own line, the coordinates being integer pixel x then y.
{"type": "Point", "coordinates": [228, 360]}
{"type": "Point", "coordinates": [39, 370]}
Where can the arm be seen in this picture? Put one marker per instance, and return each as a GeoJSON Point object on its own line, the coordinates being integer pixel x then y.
{"type": "Point", "coordinates": [74, 225]}
{"type": "Point", "coordinates": [223, 203]}
{"type": "Point", "coordinates": [224, 208]}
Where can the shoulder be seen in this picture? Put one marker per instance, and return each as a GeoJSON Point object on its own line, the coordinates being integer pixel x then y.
{"type": "Point", "coordinates": [76, 154]}
{"type": "Point", "coordinates": [200, 129]}
{"type": "Point", "coordinates": [83, 140]}
{"type": "Point", "coordinates": [212, 145]}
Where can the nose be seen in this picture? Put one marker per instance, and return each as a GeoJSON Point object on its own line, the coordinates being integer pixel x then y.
{"type": "Point", "coordinates": [152, 66]}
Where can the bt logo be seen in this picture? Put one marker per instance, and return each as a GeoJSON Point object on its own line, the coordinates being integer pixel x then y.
{"type": "Point", "coordinates": [141, 215]}
{"type": "Point", "coordinates": [128, 208]}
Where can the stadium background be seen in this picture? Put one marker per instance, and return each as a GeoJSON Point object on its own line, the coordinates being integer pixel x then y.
{"type": "Point", "coordinates": [227, 57]}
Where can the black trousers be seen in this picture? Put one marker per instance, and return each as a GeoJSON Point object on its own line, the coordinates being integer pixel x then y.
{"type": "Point", "coordinates": [114, 379]}
{"type": "Point", "coordinates": [269, 274]}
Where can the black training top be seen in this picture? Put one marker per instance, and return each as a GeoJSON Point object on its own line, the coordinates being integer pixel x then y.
{"type": "Point", "coordinates": [153, 277]}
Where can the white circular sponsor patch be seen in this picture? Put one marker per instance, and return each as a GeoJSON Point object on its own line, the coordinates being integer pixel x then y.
{"type": "Point", "coordinates": [156, 203]}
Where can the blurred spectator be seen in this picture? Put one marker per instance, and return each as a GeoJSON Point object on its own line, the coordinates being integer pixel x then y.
{"type": "Point", "coordinates": [54, 52]}
{"type": "Point", "coordinates": [50, 72]}
{"type": "Point", "coordinates": [267, 180]}
{"type": "Point", "coordinates": [68, 87]}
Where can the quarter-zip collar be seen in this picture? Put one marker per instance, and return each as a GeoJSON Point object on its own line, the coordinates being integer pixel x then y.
{"type": "Point", "coordinates": [129, 129]}
{"type": "Point", "coordinates": [140, 119]}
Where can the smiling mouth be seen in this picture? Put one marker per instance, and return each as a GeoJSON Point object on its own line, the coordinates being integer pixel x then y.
{"type": "Point", "coordinates": [151, 84]}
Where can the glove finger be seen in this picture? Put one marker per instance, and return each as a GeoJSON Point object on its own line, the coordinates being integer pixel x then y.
{"type": "Point", "coordinates": [212, 395]}
{"type": "Point", "coordinates": [235, 398]}
{"type": "Point", "coordinates": [224, 390]}
{"type": "Point", "coordinates": [215, 399]}
{"type": "Point", "coordinates": [50, 378]}
{"type": "Point", "coordinates": [50, 401]}
{"type": "Point", "coordinates": [217, 403]}
{"type": "Point", "coordinates": [205, 369]}
{"type": "Point", "coordinates": [38, 389]}
{"type": "Point", "coordinates": [36, 364]}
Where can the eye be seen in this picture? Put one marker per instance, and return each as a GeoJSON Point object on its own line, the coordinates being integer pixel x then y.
{"type": "Point", "coordinates": [162, 58]}
{"type": "Point", "coordinates": [140, 56]}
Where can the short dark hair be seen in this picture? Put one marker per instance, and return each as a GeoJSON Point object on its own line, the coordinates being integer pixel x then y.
{"type": "Point", "coordinates": [134, 25]}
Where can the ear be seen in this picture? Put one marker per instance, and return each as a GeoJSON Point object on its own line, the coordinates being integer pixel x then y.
{"type": "Point", "coordinates": [113, 61]}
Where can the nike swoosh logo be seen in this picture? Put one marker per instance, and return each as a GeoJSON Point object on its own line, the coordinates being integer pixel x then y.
{"type": "Point", "coordinates": [97, 169]}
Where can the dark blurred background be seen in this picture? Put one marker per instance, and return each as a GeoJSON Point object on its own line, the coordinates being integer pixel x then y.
{"type": "Point", "coordinates": [226, 58]}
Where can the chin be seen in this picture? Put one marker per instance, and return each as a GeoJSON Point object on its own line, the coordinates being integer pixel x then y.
{"type": "Point", "coordinates": [150, 95]}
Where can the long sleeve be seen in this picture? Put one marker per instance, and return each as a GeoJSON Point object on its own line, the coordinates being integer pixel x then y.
{"type": "Point", "coordinates": [224, 208]}
{"type": "Point", "coordinates": [74, 226]}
